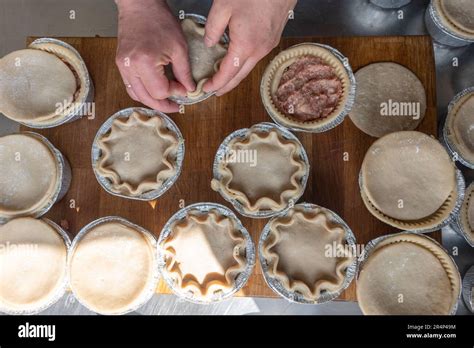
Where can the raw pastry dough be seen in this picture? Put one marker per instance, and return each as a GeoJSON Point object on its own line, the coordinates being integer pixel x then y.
{"type": "Point", "coordinates": [204, 60]}
{"type": "Point", "coordinates": [29, 175]}
{"type": "Point", "coordinates": [33, 264]}
{"type": "Point", "coordinates": [32, 82]}
{"type": "Point", "coordinates": [408, 274]}
{"type": "Point", "coordinates": [461, 127]}
{"type": "Point", "coordinates": [380, 83]}
{"type": "Point", "coordinates": [111, 268]}
{"type": "Point", "coordinates": [466, 215]}
{"type": "Point", "coordinates": [296, 251]}
{"type": "Point", "coordinates": [408, 175]}
{"type": "Point", "coordinates": [458, 15]}
{"type": "Point", "coordinates": [205, 253]}
{"type": "Point", "coordinates": [272, 180]}
{"type": "Point", "coordinates": [138, 154]}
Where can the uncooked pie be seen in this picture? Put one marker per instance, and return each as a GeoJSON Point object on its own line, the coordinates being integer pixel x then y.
{"type": "Point", "coordinates": [205, 252]}
{"type": "Point", "coordinates": [306, 86]}
{"type": "Point", "coordinates": [138, 154]}
{"type": "Point", "coordinates": [40, 85]}
{"type": "Point", "coordinates": [389, 98]}
{"type": "Point", "coordinates": [29, 175]}
{"type": "Point", "coordinates": [457, 16]}
{"type": "Point", "coordinates": [204, 60]}
{"type": "Point", "coordinates": [264, 172]}
{"type": "Point", "coordinates": [296, 252]}
{"type": "Point", "coordinates": [460, 127]}
{"type": "Point", "coordinates": [409, 180]}
{"type": "Point", "coordinates": [408, 274]}
{"type": "Point", "coordinates": [32, 265]}
{"type": "Point", "coordinates": [112, 268]}
{"type": "Point", "coordinates": [466, 215]}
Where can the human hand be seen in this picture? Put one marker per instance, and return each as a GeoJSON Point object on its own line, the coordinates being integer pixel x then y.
{"type": "Point", "coordinates": [149, 38]}
{"type": "Point", "coordinates": [255, 28]}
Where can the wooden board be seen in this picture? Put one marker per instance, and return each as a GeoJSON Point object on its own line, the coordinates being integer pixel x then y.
{"type": "Point", "coordinates": [332, 183]}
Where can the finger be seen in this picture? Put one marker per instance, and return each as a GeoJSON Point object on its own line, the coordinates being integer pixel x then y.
{"type": "Point", "coordinates": [229, 68]}
{"type": "Point", "coordinates": [242, 74]}
{"type": "Point", "coordinates": [182, 70]}
{"type": "Point", "coordinates": [144, 97]}
{"type": "Point", "coordinates": [156, 82]}
{"type": "Point", "coordinates": [124, 73]}
{"type": "Point", "coordinates": [216, 23]}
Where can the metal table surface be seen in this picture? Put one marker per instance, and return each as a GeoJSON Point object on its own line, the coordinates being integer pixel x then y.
{"type": "Point", "coordinates": [22, 18]}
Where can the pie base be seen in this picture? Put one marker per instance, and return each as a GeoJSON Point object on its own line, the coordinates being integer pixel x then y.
{"type": "Point", "coordinates": [455, 26]}
{"type": "Point", "coordinates": [273, 73]}
{"type": "Point", "coordinates": [466, 215]}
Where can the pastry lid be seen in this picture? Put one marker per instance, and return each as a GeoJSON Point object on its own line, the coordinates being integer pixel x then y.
{"type": "Point", "coordinates": [441, 21]}
{"type": "Point", "coordinates": [295, 297]}
{"type": "Point", "coordinates": [184, 100]}
{"type": "Point", "coordinates": [63, 180]}
{"type": "Point", "coordinates": [461, 223]}
{"type": "Point", "coordinates": [224, 148]}
{"type": "Point", "coordinates": [154, 277]}
{"type": "Point", "coordinates": [97, 152]}
{"type": "Point", "coordinates": [373, 245]}
{"type": "Point", "coordinates": [63, 285]}
{"type": "Point", "coordinates": [241, 279]}
{"type": "Point", "coordinates": [454, 149]}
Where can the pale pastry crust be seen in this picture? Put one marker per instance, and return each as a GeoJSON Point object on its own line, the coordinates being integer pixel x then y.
{"type": "Point", "coordinates": [29, 175]}
{"type": "Point", "coordinates": [378, 83]}
{"type": "Point", "coordinates": [32, 82]}
{"type": "Point", "coordinates": [458, 16]}
{"type": "Point", "coordinates": [296, 248]}
{"type": "Point", "coordinates": [33, 264]}
{"type": "Point", "coordinates": [111, 268]}
{"type": "Point", "coordinates": [273, 181]}
{"type": "Point", "coordinates": [138, 154]}
{"type": "Point", "coordinates": [204, 60]}
{"type": "Point", "coordinates": [461, 127]}
{"type": "Point", "coordinates": [466, 215]}
{"type": "Point", "coordinates": [205, 252]}
{"type": "Point", "coordinates": [273, 73]}
{"type": "Point", "coordinates": [408, 176]}
{"type": "Point", "coordinates": [408, 274]}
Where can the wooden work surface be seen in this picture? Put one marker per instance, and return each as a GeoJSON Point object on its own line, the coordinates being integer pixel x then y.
{"type": "Point", "coordinates": [332, 182]}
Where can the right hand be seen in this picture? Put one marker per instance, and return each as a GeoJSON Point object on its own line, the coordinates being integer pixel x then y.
{"type": "Point", "coordinates": [149, 38]}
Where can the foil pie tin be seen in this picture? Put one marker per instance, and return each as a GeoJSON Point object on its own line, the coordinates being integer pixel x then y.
{"type": "Point", "coordinates": [148, 293]}
{"type": "Point", "coordinates": [76, 113]}
{"type": "Point", "coordinates": [468, 289]}
{"type": "Point", "coordinates": [241, 279]}
{"type": "Point", "coordinates": [63, 180]}
{"type": "Point", "coordinates": [451, 146]}
{"type": "Point", "coordinates": [372, 245]}
{"type": "Point", "coordinates": [224, 148]}
{"type": "Point", "coordinates": [460, 187]}
{"type": "Point", "coordinates": [342, 115]}
{"type": "Point", "coordinates": [183, 100]}
{"type": "Point", "coordinates": [292, 296]}
{"type": "Point", "coordinates": [390, 4]}
{"type": "Point", "coordinates": [62, 288]}
{"type": "Point", "coordinates": [97, 153]}
{"type": "Point", "coordinates": [457, 224]}
{"type": "Point", "coordinates": [440, 32]}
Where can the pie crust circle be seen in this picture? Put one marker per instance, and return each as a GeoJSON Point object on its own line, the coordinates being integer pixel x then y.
{"type": "Point", "coordinates": [33, 259]}
{"type": "Point", "coordinates": [138, 154]}
{"type": "Point", "coordinates": [458, 16]}
{"type": "Point", "coordinates": [408, 179]}
{"type": "Point", "coordinates": [387, 84]}
{"type": "Point", "coordinates": [466, 215]}
{"type": "Point", "coordinates": [460, 127]}
{"type": "Point", "coordinates": [296, 252]}
{"type": "Point", "coordinates": [29, 175]}
{"type": "Point", "coordinates": [281, 63]}
{"type": "Point", "coordinates": [204, 253]}
{"type": "Point", "coordinates": [408, 274]}
{"type": "Point", "coordinates": [112, 267]}
{"type": "Point", "coordinates": [269, 181]}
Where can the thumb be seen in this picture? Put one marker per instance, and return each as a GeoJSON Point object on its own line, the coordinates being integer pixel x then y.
{"type": "Point", "coordinates": [216, 24]}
